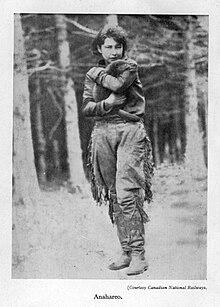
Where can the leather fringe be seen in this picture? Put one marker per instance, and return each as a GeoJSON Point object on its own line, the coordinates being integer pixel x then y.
{"type": "Point", "coordinates": [148, 170]}
{"type": "Point", "coordinates": [101, 194]}
{"type": "Point", "coordinates": [139, 205]}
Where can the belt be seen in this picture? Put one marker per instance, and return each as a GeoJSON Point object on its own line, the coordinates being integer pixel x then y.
{"type": "Point", "coordinates": [121, 117]}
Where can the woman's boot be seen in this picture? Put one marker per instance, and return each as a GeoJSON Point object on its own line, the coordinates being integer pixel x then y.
{"type": "Point", "coordinates": [122, 262]}
{"type": "Point", "coordinates": [123, 236]}
{"type": "Point", "coordinates": [137, 265]}
{"type": "Point", "coordinates": [136, 231]}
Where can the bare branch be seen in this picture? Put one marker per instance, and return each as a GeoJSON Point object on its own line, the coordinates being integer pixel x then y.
{"type": "Point", "coordinates": [161, 51]}
{"type": "Point", "coordinates": [79, 64]}
{"type": "Point", "coordinates": [33, 55]}
{"type": "Point", "coordinates": [27, 16]}
{"type": "Point", "coordinates": [47, 66]}
{"type": "Point", "coordinates": [158, 84]}
{"type": "Point", "coordinates": [82, 34]}
{"type": "Point", "coordinates": [201, 60]}
{"type": "Point", "coordinates": [81, 27]}
{"type": "Point", "coordinates": [49, 29]}
{"type": "Point", "coordinates": [54, 128]}
{"type": "Point", "coordinates": [33, 70]}
{"type": "Point", "coordinates": [151, 65]}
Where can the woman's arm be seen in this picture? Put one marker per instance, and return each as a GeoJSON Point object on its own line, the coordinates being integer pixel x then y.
{"type": "Point", "coordinates": [116, 84]}
{"type": "Point", "coordinates": [100, 108]}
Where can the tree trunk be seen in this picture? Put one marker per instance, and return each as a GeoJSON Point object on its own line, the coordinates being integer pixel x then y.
{"type": "Point", "coordinates": [23, 155]}
{"type": "Point", "coordinates": [155, 141]}
{"type": "Point", "coordinates": [206, 130]}
{"type": "Point", "coordinates": [56, 158]}
{"type": "Point", "coordinates": [177, 135]}
{"type": "Point", "coordinates": [25, 184]}
{"type": "Point", "coordinates": [194, 157]}
{"type": "Point", "coordinates": [112, 20]}
{"type": "Point", "coordinates": [41, 143]}
{"type": "Point", "coordinates": [76, 174]}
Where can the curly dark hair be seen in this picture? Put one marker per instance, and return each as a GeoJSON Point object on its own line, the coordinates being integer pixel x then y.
{"type": "Point", "coordinates": [115, 32]}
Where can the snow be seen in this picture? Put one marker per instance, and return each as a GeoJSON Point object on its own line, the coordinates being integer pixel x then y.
{"type": "Point", "coordinates": [74, 238]}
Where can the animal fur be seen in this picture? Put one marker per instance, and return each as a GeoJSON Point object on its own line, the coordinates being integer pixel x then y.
{"type": "Point", "coordinates": [114, 69]}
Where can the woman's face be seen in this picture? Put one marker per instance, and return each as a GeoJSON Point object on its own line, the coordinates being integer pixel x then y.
{"type": "Point", "coordinates": [111, 50]}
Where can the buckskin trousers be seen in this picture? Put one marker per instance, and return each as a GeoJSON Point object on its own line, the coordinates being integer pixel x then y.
{"type": "Point", "coordinates": [118, 153]}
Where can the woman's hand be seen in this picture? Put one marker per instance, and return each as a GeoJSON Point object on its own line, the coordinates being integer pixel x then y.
{"type": "Point", "coordinates": [115, 100]}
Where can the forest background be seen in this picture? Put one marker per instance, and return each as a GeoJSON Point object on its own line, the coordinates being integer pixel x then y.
{"type": "Point", "coordinates": [57, 292]}
{"type": "Point", "coordinates": [46, 292]}
{"type": "Point", "coordinates": [172, 53]}
{"type": "Point", "coordinates": [51, 136]}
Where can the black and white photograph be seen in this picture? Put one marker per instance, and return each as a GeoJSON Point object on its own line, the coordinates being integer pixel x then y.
{"type": "Point", "coordinates": [110, 167]}
{"type": "Point", "coordinates": [117, 102]}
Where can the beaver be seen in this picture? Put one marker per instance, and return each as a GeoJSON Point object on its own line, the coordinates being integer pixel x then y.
{"type": "Point", "coordinates": [115, 69]}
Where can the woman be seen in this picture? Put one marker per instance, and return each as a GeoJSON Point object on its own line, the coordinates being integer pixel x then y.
{"type": "Point", "coordinates": [120, 150]}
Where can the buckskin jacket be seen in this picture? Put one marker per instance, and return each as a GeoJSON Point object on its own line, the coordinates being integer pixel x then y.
{"type": "Point", "coordinates": [120, 76]}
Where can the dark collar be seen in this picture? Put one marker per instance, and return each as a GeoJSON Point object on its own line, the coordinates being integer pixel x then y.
{"type": "Point", "coordinates": [101, 63]}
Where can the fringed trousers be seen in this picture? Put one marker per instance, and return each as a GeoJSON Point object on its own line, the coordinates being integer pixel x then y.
{"type": "Point", "coordinates": [121, 171]}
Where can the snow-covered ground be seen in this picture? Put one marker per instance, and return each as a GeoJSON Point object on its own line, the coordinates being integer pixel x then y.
{"type": "Point", "coordinates": [75, 239]}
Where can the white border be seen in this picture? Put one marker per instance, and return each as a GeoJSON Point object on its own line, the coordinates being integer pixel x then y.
{"type": "Point", "coordinates": [39, 293]}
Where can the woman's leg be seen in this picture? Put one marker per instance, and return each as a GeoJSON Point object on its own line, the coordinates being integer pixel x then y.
{"type": "Point", "coordinates": [130, 185]}
{"type": "Point", "coordinates": [103, 162]}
